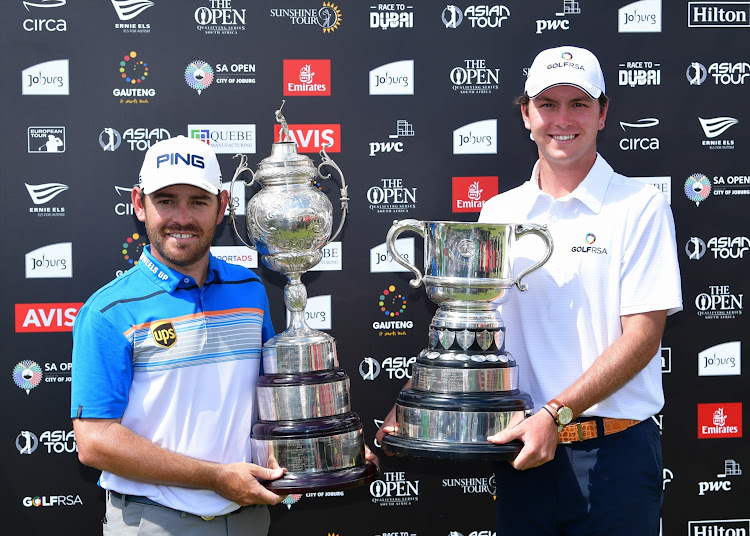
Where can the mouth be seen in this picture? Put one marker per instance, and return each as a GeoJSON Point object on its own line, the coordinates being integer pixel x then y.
{"type": "Point", "coordinates": [565, 137]}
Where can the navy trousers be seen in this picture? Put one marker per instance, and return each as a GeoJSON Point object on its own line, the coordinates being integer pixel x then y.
{"type": "Point", "coordinates": [611, 485]}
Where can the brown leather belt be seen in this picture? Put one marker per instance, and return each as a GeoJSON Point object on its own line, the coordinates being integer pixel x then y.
{"type": "Point", "coordinates": [581, 431]}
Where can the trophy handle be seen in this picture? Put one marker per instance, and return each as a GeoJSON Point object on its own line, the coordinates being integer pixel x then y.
{"type": "Point", "coordinates": [232, 205]}
{"type": "Point", "coordinates": [344, 198]}
{"type": "Point", "coordinates": [396, 229]}
{"type": "Point", "coordinates": [543, 233]}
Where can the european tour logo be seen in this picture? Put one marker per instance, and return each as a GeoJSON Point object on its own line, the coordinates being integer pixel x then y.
{"type": "Point", "coordinates": [164, 333]}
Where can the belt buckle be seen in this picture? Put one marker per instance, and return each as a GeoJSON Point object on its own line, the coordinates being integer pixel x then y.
{"type": "Point", "coordinates": [207, 518]}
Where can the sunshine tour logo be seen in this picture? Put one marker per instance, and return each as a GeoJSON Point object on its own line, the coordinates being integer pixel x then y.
{"type": "Point", "coordinates": [589, 247]}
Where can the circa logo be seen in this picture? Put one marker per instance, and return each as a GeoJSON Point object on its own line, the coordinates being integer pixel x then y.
{"type": "Point", "coordinates": [41, 25]}
{"type": "Point", "coordinates": [643, 144]}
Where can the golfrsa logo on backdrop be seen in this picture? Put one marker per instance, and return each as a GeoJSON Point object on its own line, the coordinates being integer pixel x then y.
{"type": "Point", "coordinates": [311, 78]}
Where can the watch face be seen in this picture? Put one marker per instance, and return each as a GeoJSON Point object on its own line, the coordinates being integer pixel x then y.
{"type": "Point", "coordinates": [564, 415]}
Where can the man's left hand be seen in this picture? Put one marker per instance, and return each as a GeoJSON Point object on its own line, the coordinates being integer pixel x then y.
{"type": "Point", "coordinates": [539, 436]}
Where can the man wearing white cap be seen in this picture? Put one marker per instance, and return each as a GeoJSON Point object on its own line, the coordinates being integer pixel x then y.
{"type": "Point", "coordinates": [587, 333]}
{"type": "Point", "coordinates": [165, 363]}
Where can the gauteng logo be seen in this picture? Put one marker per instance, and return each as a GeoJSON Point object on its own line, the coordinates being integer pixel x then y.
{"type": "Point", "coordinates": [133, 71]}
{"type": "Point", "coordinates": [199, 75]}
{"type": "Point", "coordinates": [697, 188]}
{"type": "Point", "coordinates": [391, 303]}
{"type": "Point", "coordinates": [164, 333]}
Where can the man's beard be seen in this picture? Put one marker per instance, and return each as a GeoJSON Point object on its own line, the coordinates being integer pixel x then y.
{"type": "Point", "coordinates": [157, 239]}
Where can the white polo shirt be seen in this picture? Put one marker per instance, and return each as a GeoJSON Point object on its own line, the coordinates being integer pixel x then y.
{"type": "Point", "coordinates": [614, 254]}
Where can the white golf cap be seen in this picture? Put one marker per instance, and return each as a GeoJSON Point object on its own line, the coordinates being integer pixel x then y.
{"type": "Point", "coordinates": [180, 160]}
{"type": "Point", "coordinates": [565, 66]}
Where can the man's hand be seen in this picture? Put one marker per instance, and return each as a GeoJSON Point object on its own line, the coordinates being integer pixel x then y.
{"type": "Point", "coordinates": [389, 426]}
{"type": "Point", "coordinates": [238, 482]}
{"type": "Point", "coordinates": [539, 436]}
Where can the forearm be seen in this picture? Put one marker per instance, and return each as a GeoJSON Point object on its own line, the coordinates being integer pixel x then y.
{"type": "Point", "coordinates": [622, 360]}
{"type": "Point", "coordinates": [110, 446]}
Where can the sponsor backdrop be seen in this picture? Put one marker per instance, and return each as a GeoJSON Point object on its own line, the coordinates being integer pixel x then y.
{"type": "Point", "coordinates": [415, 102]}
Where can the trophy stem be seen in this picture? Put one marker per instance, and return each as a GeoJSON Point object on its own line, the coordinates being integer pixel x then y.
{"type": "Point", "coordinates": [295, 299]}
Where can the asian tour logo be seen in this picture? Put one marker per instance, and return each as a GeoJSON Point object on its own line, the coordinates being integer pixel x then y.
{"type": "Point", "coordinates": [199, 75]}
{"type": "Point", "coordinates": [27, 374]}
{"type": "Point", "coordinates": [697, 188]}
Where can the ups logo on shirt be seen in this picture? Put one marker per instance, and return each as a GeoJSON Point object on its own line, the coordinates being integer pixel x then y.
{"type": "Point", "coordinates": [164, 333]}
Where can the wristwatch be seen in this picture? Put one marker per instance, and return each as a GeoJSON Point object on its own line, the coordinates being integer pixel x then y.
{"type": "Point", "coordinates": [564, 413]}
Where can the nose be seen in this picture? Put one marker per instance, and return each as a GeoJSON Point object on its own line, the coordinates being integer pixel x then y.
{"type": "Point", "coordinates": [181, 213]}
{"type": "Point", "coordinates": [563, 117]}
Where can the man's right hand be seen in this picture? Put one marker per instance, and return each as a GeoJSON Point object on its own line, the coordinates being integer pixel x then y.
{"type": "Point", "coordinates": [389, 426]}
{"type": "Point", "coordinates": [239, 482]}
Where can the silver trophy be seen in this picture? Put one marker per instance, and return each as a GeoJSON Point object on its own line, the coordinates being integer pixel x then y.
{"type": "Point", "coordinates": [305, 420]}
{"type": "Point", "coordinates": [464, 384]}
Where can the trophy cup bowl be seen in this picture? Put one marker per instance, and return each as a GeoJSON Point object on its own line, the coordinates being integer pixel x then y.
{"type": "Point", "coordinates": [464, 384]}
{"type": "Point", "coordinates": [305, 422]}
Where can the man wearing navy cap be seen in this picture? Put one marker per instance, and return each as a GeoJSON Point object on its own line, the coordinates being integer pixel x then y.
{"type": "Point", "coordinates": [587, 333]}
{"type": "Point", "coordinates": [165, 363]}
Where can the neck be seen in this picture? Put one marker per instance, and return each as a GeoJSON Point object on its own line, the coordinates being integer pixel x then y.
{"type": "Point", "coordinates": [560, 180]}
{"type": "Point", "coordinates": [197, 270]}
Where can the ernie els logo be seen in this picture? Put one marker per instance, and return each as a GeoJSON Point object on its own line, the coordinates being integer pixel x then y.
{"type": "Point", "coordinates": [311, 138]}
{"type": "Point", "coordinates": [311, 78]}
{"type": "Point", "coordinates": [470, 193]}
{"type": "Point", "coordinates": [720, 420]}
{"type": "Point", "coordinates": [45, 317]}
{"type": "Point", "coordinates": [164, 333]}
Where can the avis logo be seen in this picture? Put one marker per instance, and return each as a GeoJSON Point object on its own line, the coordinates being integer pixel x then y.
{"type": "Point", "coordinates": [45, 317]}
{"type": "Point", "coordinates": [313, 138]}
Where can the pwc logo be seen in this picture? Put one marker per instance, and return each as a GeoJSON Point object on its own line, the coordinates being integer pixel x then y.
{"type": "Point", "coordinates": [311, 78]}
{"type": "Point", "coordinates": [164, 333]}
{"type": "Point", "coordinates": [311, 138]}
{"type": "Point", "coordinates": [45, 317]}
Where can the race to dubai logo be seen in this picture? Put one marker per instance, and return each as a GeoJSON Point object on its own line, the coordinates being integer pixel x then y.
{"type": "Point", "coordinates": [697, 188]}
{"type": "Point", "coordinates": [199, 75]}
{"type": "Point", "coordinates": [130, 9]}
{"type": "Point", "coordinates": [27, 374]}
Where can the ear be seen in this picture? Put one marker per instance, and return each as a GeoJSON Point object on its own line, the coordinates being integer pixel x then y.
{"type": "Point", "coordinates": [603, 115]}
{"type": "Point", "coordinates": [525, 116]}
{"type": "Point", "coordinates": [223, 202]}
{"type": "Point", "coordinates": [139, 208]}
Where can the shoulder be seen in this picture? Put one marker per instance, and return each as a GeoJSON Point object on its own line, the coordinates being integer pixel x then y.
{"type": "Point", "coordinates": [513, 199]}
{"type": "Point", "coordinates": [638, 194]}
{"type": "Point", "coordinates": [130, 284]}
{"type": "Point", "coordinates": [233, 273]}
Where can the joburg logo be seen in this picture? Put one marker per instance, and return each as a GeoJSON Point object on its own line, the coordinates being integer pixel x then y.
{"type": "Point", "coordinates": [395, 78]}
{"type": "Point", "coordinates": [723, 359]}
{"type": "Point", "coordinates": [643, 16]}
{"type": "Point", "coordinates": [27, 374]}
{"type": "Point", "coordinates": [471, 193]}
{"type": "Point", "coordinates": [719, 420]}
{"type": "Point", "coordinates": [310, 78]}
{"type": "Point", "coordinates": [164, 333]}
{"type": "Point", "coordinates": [45, 317]}
{"type": "Point", "coordinates": [697, 188]}
{"type": "Point", "coordinates": [47, 78]}
{"type": "Point", "coordinates": [313, 138]}
{"type": "Point", "coordinates": [199, 75]}
{"type": "Point", "coordinates": [52, 261]}
{"type": "Point", "coordinates": [479, 137]}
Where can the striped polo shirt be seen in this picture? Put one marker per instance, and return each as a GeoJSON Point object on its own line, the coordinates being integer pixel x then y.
{"type": "Point", "coordinates": [178, 363]}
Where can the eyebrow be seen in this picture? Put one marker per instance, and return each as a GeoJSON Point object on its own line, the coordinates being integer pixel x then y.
{"type": "Point", "coordinates": [165, 195]}
{"type": "Point", "coordinates": [582, 98]}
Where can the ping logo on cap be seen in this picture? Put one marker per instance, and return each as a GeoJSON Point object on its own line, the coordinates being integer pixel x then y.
{"type": "Point", "coordinates": [164, 333]}
{"type": "Point", "coordinates": [173, 159]}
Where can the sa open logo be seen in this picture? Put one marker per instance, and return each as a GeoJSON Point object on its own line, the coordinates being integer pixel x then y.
{"type": "Point", "coordinates": [164, 333]}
